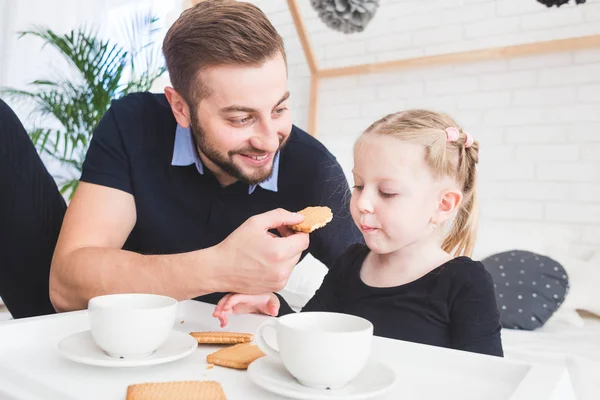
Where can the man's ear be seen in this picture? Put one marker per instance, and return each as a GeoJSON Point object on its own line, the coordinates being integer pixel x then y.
{"type": "Point", "coordinates": [450, 201]}
{"type": "Point", "coordinates": [179, 106]}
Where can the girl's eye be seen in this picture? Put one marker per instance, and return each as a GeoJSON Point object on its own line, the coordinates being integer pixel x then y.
{"type": "Point", "coordinates": [280, 111]}
{"type": "Point", "coordinates": [387, 195]}
{"type": "Point", "coordinates": [359, 188]}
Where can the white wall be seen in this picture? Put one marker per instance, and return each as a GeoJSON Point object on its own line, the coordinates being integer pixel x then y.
{"type": "Point", "coordinates": [412, 28]}
{"type": "Point", "coordinates": [23, 60]}
{"type": "Point", "coordinates": [537, 118]}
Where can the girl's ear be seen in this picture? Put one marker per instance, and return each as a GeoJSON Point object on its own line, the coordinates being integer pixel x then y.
{"type": "Point", "coordinates": [448, 204]}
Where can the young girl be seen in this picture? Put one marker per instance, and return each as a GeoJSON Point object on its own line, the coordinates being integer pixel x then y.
{"type": "Point", "coordinates": [414, 200]}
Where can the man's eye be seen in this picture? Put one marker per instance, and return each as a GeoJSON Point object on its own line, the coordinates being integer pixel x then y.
{"type": "Point", "coordinates": [241, 121]}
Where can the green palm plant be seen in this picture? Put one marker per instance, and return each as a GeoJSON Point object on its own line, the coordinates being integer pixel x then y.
{"type": "Point", "coordinates": [101, 70]}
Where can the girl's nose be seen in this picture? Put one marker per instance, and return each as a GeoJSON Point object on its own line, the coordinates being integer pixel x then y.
{"type": "Point", "coordinates": [364, 203]}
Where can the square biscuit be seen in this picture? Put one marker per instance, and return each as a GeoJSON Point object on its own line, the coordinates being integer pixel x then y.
{"type": "Point", "coordinates": [314, 218]}
{"type": "Point", "coordinates": [222, 337]}
{"type": "Point", "coordinates": [239, 356]}
{"type": "Point", "coordinates": [182, 390]}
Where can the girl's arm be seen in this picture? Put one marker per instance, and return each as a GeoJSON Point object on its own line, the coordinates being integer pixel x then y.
{"type": "Point", "coordinates": [327, 297]}
{"type": "Point", "coordinates": [474, 317]}
{"type": "Point", "coordinates": [324, 298]}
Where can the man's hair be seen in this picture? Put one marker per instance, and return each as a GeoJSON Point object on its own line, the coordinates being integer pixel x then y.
{"type": "Point", "coordinates": [212, 33]}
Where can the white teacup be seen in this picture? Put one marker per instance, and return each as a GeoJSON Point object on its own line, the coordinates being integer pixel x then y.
{"type": "Point", "coordinates": [320, 349]}
{"type": "Point", "coordinates": [131, 325]}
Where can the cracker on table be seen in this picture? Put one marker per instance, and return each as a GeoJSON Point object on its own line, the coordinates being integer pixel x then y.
{"type": "Point", "coordinates": [182, 390]}
{"type": "Point", "coordinates": [222, 337]}
{"type": "Point", "coordinates": [239, 356]}
{"type": "Point", "coordinates": [314, 218]}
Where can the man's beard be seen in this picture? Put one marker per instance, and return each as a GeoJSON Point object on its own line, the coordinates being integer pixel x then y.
{"type": "Point", "coordinates": [225, 161]}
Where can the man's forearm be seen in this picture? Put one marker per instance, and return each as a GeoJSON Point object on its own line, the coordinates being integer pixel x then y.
{"type": "Point", "coordinates": [87, 272]}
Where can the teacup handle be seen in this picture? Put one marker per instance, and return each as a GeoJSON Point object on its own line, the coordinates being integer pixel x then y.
{"type": "Point", "coordinates": [260, 341]}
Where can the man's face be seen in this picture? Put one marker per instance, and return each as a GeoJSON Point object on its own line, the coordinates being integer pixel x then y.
{"type": "Point", "coordinates": [244, 121]}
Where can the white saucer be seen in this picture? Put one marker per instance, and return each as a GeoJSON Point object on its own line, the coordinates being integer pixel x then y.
{"type": "Point", "coordinates": [270, 374]}
{"type": "Point", "coordinates": [80, 347]}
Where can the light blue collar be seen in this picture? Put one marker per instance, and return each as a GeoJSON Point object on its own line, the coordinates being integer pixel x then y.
{"type": "Point", "coordinates": [185, 154]}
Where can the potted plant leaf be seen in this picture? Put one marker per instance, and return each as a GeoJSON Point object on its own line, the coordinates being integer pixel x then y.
{"type": "Point", "coordinates": [72, 103]}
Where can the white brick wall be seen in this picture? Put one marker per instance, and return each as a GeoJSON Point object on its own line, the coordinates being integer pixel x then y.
{"type": "Point", "coordinates": [419, 27]}
{"type": "Point", "coordinates": [537, 118]}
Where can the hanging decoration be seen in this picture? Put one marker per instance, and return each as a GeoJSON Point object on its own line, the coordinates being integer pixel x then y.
{"type": "Point", "coordinates": [558, 3]}
{"type": "Point", "coordinates": [346, 16]}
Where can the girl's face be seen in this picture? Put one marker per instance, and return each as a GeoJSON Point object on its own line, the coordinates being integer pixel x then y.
{"type": "Point", "coordinates": [395, 197]}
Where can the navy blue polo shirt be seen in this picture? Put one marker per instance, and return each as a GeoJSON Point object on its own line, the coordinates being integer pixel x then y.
{"type": "Point", "coordinates": [180, 204]}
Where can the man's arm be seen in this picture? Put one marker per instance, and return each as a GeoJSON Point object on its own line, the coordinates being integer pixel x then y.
{"type": "Point", "coordinates": [88, 260]}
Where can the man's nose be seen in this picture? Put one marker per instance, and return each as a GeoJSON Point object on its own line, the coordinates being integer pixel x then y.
{"type": "Point", "coordinates": [266, 138]}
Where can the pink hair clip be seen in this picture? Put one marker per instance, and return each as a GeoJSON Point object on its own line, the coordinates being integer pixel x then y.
{"type": "Point", "coordinates": [452, 134]}
{"type": "Point", "coordinates": [469, 141]}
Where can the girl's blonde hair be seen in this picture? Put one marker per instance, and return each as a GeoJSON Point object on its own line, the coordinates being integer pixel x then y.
{"type": "Point", "coordinates": [456, 159]}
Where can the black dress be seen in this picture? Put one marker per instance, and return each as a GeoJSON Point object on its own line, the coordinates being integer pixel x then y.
{"type": "Point", "coordinates": [452, 306]}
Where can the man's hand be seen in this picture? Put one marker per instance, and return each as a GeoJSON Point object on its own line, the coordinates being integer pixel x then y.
{"type": "Point", "coordinates": [255, 261]}
{"type": "Point", "coordinates": [234, 303]}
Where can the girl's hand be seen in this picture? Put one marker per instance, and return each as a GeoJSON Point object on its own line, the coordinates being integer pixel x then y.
{"type": "Point", "coordinates": [234, 303]}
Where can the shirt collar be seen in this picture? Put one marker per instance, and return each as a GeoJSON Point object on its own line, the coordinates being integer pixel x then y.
{"type": "Point", "coordinates": [185, 154]}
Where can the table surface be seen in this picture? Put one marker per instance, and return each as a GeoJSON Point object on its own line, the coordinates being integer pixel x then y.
{"type": "Point", "coordinates": [32, 369]}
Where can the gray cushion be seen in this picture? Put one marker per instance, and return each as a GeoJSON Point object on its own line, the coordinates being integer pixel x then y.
{"type": "Point", "coordinates": [529, 287]}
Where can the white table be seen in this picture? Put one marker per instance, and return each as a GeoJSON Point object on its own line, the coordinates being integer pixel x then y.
{"type": "Point", "coordinates": [31, 368]}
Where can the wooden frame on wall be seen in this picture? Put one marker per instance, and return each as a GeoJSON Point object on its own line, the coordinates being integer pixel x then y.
{"type": "Point", "coordinates": [518, 50]}
{"type": "Point", "coordinates": [495, 53]}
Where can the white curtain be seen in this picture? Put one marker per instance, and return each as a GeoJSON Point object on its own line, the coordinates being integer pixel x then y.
{"type": "Point", "coordinates": [22, 60]}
